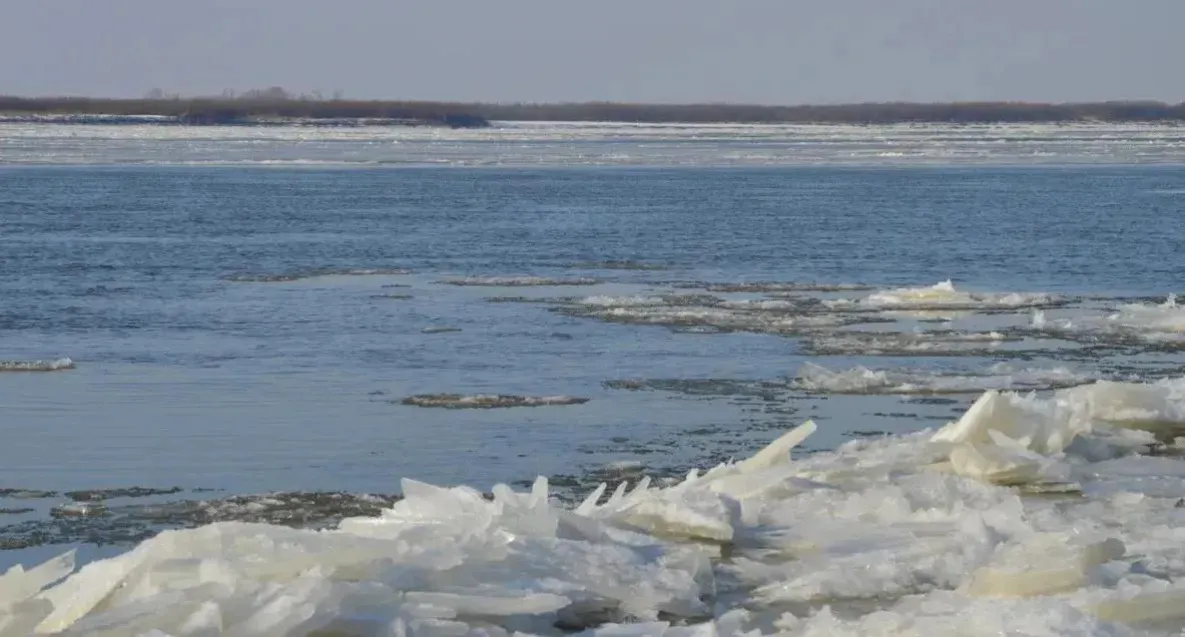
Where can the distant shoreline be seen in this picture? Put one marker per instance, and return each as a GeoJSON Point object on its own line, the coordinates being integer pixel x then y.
{"type": "Point", "coordinates": [320, 112]}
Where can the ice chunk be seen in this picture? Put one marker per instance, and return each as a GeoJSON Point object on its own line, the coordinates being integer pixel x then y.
{"type": "Point", "coordinates": [998, 464]}
{"type": "Point", "coordinates": [696, 515]}
{"type": "Point", "coordinates": [1042, 426]}
{"type": "Point", "coordinates": [1158, 407]}
{"type": "Point", "coordinates": [1046, 565]}
{"type": "Point", "coordinates": [707, 507]}
{"type": "Point", "coordinates": [1143, 607]}
{"type": "Point", "coordinates": [18, 585]}
{"type": "Point", "coordinates": [488, 401]}
{"type": "Point", "coordinates": [1009, 439]}
{"type": "Point", "coordinates": [86, 589]}
{"type": "Point", "coordinates": [778, 451]}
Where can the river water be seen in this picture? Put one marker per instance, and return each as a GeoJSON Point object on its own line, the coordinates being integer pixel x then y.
{"type": "Point", "coordinates": [221, 313]}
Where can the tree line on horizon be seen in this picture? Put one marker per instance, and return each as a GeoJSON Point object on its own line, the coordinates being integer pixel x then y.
{"type": "Point", "coordinates": [277, 103]}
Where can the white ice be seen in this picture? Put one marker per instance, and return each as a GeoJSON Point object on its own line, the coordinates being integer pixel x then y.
{"type": "Point", "coordinates": [942, 296]}
{"type": "Point", "coordinates": [862, 380]}
{"type": "Point", "coordinates": [643, 310]}
{"type": "Point", "coordinates": [1165, 317]}
{"type": "Point", "coordinates": [594, 143]}
{"type": "Point", "coordinates": [52, 365]}
{"type": "Point", "coordinates": [1151, 322]}
{"type": "Point", "coordinates": [890, 343]}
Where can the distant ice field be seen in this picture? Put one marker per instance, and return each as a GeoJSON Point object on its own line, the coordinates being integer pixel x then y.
{"type": "Point", "coordinates": [593, 144]}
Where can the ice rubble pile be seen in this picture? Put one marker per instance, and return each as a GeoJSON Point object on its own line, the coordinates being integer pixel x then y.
{"type": "Point", "coordinates": [1008, 438]}
{"type": "Point", "coordinates": [869, 539]}
{"type": "Point", "coordinates": [438, 562]}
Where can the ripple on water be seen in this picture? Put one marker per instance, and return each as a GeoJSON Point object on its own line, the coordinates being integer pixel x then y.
{"type": "Point", "coordinates": [318, 273]}
{"type": "Point", "coordinates": [519, 281]}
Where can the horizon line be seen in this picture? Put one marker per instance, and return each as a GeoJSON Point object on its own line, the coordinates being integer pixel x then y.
{"type": "Point", "coordinates": [246, 96]}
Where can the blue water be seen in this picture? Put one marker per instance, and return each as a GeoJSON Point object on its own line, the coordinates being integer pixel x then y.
{"type": "Point", "coordinates": [188, 375]}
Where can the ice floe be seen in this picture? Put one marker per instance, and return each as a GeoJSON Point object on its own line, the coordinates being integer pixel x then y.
{"type": "Point", "coordinates": [54, 365]}
{"type": "Point", "coordinates": [928, 343]}
{"type": "Point", "coordinates": [862, 380]}
{"type": "Point", "coordinates": [774, 286]}
{"type": "Point", "coordinates": [705, 312]}
{"type": "Point", "coordinates": [1151, 324]}
{"type": "Point", "coordinates": [714, 387]}
{"type": "Point", "coordinates": [488, 401]}
{"type": "Point", "coordinates": [519, 281]}
{"type": "Point", "coordinates": [944, 296]}
{"type": "Point", "coordinates": [1165, 317]}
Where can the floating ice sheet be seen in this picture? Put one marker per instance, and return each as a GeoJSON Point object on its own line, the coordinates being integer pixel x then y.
{"type": "Point", "coordinates": [944, 296]}
{"type": "Point", "coordinates": [928, 343]}
{"type": "Point", "coordinates": [1150, 324]}
{"type": "Point", "coordinates": [54, 365]}
{"type": "Point", "coordinates": [488, 401]}
{"type": "Point", "coordinates": [1166, 317]}
{"type": "Point", "coordinates": [861, 380]}
{"type": "Point", "coordinates": [769, 317]}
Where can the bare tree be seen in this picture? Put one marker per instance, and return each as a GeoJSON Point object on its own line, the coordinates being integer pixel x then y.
{"type": "Point", "coordinates": [270, 94]}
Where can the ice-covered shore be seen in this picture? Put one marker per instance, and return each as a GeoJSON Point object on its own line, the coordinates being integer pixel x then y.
{"type": "Point", "coordinates": [1030, 515]}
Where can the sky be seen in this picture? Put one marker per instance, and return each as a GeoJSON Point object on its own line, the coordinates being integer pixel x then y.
{"type": "Point", "coordinates": [669, 51]}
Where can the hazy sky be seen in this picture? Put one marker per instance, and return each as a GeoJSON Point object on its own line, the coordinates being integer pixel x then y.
{"type": "Point", "coordinates": [758, 51]}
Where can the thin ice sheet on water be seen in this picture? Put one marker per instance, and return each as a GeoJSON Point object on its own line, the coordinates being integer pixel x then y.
{"type": "Point", "coordinates": [1152, 323]}
{"type": "Point", "coordinates": [677, 312]}
{"type": "Point", "coordinates": [862, 380]}
{"type": "Point", "coordinates": [920, 343]}
{"type": "Point", "coordinates": [1165, 317]}
{"type": "Point", "coordinates": [51, 365]}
